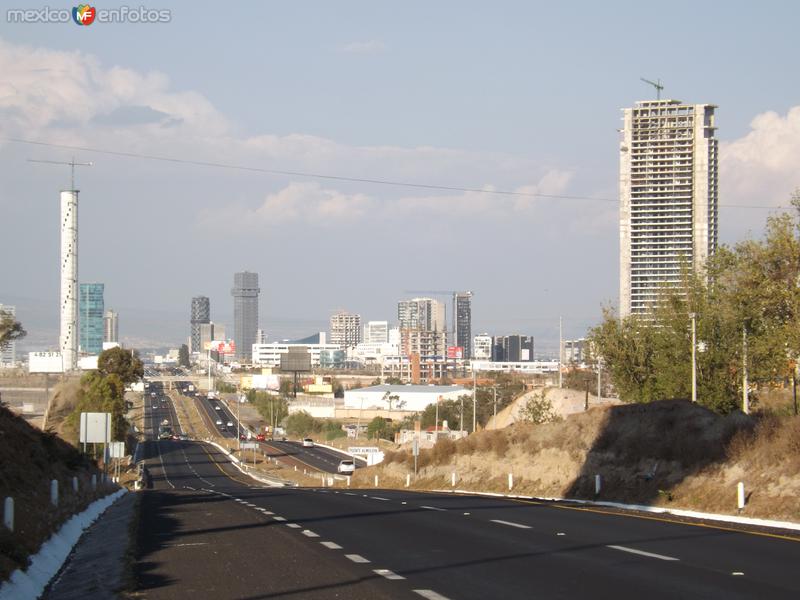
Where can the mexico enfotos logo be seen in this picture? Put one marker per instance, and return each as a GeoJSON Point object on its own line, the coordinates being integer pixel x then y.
{"type": "Point", "coordinates": [85, 14]}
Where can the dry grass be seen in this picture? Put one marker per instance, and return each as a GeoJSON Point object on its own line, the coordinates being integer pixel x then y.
{"type": "Point", "coordinates": [30, 459]}
{"type": "Point", "coordinates": [659, 453]}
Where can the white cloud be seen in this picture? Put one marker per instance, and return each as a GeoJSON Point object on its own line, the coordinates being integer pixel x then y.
{"type": "Point", "coordinates": [41, 88]}
{"type": "Point", "coordinates": [367, 47]}
{"type": "Point", "coordinates": [761, 167]}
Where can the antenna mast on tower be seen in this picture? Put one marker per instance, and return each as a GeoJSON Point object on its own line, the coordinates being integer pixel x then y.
{"type": "Point", "coordinates": [72, 165]}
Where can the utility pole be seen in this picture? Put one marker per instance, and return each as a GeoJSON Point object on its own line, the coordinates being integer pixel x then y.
{"type": "Point", "coordinates": [494, 391]}
{"type": "Point", "coordinates": [745, 398]}
{"type": "Point", "coordinates": [599, 367]}
{"type": "Point", "coordinates": [436, 421]}
{"type": "Point", "coordinates": [474, 401]}
{"type": "Point", "coordinates": [560, 351]}
{"type": "Point", "coordinates": [693, 317]}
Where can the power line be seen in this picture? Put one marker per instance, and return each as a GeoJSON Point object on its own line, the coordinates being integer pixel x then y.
{"type": "Point", "coordinates": [325, 176]}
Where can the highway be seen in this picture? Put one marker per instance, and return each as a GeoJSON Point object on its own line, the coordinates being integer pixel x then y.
{"type": "Point", "coordinates": [316, 457]}
{"type": "Point", "coordinates": [208, 531]}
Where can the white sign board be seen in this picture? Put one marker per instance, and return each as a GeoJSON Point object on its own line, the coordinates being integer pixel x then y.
{"type": "Point", "coordinates": [362, 449]}
{"type": "Point", "coordinates": [249, 446]}
{"type": "Point", "coordinates": [45, 362]}
{"type": "Point", "coordinates": [95, 428]}
{"type": "Point", "coordinates": [117, 449]}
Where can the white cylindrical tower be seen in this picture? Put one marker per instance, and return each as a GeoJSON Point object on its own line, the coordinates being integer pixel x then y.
{"type": "Point", "coordinates": [68, 340]}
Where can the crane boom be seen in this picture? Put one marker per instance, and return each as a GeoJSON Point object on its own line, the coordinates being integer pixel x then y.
{"type": "Point", "coordinates": [656, 84]}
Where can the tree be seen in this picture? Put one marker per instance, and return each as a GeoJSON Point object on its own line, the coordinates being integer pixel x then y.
{"type": "Point", "coordinates": [752, 289]}
{"type": "Point", "coordinates": [302, 423]}
{"type": "Point", "coordinates": [539, 410]}
{"type": "Point", "coordinates": [183, 356]}
{"type": "Point", "coordinates": [102, 393]}
{"type": "Point", "coordinates": [125, 364]}
{"type": "Point", "coordinates": [10, 329]}
{"type": "Point", "coordinates": [380, 428]}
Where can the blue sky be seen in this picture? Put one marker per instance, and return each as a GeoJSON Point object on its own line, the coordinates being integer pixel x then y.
{"type": "Point", "coordinates": [510, 95]}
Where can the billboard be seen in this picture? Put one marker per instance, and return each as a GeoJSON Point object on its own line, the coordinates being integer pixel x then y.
{"type": "Point", "coordinates": [455, 352]}
{"type": "Point", "coordinates": [298, 358]}
{"type": "Point", "coordinates": [221, 346]}
{"type": "Point", "coordinates": [45, 362]}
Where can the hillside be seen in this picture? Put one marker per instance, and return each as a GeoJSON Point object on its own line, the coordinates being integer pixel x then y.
{"type": "Point", "coordinates": [30, 458]}
{"type": "Point", "coordinates": [663, 453]}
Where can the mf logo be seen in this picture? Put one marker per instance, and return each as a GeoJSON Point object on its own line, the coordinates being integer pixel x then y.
{"type": "Point", "coordinates": [83, 14]}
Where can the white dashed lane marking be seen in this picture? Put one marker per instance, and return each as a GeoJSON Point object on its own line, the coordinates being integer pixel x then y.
{"type": "Point", "coordinates": [643, 553]}
{"type": "Point", "coordinates": [293, 525]}
{"type": "Point", "coordinates": [388, 574]}
{"type": "Point", "coordinates": [277, 518]}
{"type": "Point", "coordinates": [433, 508]}
{"type": "Point", "coordinates": [331, 545]}
{"type": "Point", "coordinates": [510, 524]}
{"type": "Point", "coordinates": [309, 533]}
{"type": "Point", "coordinates": [430, 595]}
{"type": "Point", "coordinates": [356, 558]}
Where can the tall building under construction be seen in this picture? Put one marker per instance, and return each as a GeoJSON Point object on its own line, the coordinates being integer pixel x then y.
{"type": "Point", "coordinates": [668, 197]}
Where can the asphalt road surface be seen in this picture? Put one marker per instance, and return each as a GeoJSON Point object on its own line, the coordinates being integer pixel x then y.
{"type": "Point", "coordinates": [316, 457]}
{"type": "Point", "coordinates": [208, 531]}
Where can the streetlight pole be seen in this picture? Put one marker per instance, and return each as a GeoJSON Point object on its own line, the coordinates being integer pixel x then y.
{"type": "Point", "coordinates": [693, 317]}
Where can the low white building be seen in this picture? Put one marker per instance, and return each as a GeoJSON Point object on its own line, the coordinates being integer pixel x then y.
{"type": "Point", "coordinates": [402, 397]}
{"type": "Point", "coordinates": [536, 366]}
{"type": "Point", "coordinates": [269, 355]}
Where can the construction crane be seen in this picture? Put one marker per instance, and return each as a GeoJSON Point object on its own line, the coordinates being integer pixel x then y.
{"type": "Point", "coordinates": [454, 294]}
{"type": "Point", "coordinates": [656, 84]}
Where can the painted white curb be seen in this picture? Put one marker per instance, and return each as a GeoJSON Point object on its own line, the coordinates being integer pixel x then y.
{"type": "Point", "coordinates": [236, 463]}
{"type": "Point", "coordinates": [678, 512]}
{"type": "Point", "coordinates": [51, 556]}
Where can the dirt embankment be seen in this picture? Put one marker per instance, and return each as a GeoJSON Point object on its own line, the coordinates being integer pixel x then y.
{"type": "Point", "coordinates": [29, 460]}
{"type": "Point", "coordinates": [669, 453]}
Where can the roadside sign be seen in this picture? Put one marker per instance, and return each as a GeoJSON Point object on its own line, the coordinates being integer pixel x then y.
{"type": "Point", "coordinates": [362, 449]}
{"type": "Point", "coordinates": [415, 447]}
{"type": "Point", "coordinates": [117, 449]}
{"type": "Point", "coordinates": [249, 446]}
{"type": "Point", "coordinates": [95, 428]}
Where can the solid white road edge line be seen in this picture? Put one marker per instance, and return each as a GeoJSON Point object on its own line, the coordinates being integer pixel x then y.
{"type": "Point", "coordinates": [643, 553]}
{"type": "Point", "coordinates": [510, 524]}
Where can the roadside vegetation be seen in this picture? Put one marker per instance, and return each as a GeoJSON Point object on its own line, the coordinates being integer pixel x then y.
{"type": "Point", "coordinates": [746, 307]}
{"type": "Point", "coordinates": [669, 453]}
{"type": "Point", "coordinates": [103, 390]}
{"type": "Point", "coordinates": [301, 424]}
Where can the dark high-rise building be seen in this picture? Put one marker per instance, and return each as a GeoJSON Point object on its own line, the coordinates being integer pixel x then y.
{"type": "Point", "coordinates": [462, 311]}
{"type": "Point", "coordinates": [512, 348]}
{"type": "Point", "coordinates": [201, 315]}
{"type": "Point", "coordinates": [245, 312]}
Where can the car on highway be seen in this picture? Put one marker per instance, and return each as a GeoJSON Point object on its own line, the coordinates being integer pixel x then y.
{"type": "Point", "coordinates": [184, 437]}
{"type": "Point", "coordinates": [260, 437]}
{"type": "Point", "coordinates": [219, 422]}
{"type": "Point", "coordinates": [155, 406]}
{"type": "Point", "coordinates": [347, 466]}
{"type": "Point", "coordinates": [216, 407]}
{"type": "Point", "coordinates": [230, 423]}
{"type": "Point", "coordinates": [308, 443]}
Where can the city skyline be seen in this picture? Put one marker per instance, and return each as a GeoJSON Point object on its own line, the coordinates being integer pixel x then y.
{"type": "Point", "coordinates": [540, 136]}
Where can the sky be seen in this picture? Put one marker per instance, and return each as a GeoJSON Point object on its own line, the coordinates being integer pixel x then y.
{"type": "Point", "coordinates": [512, 96]}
